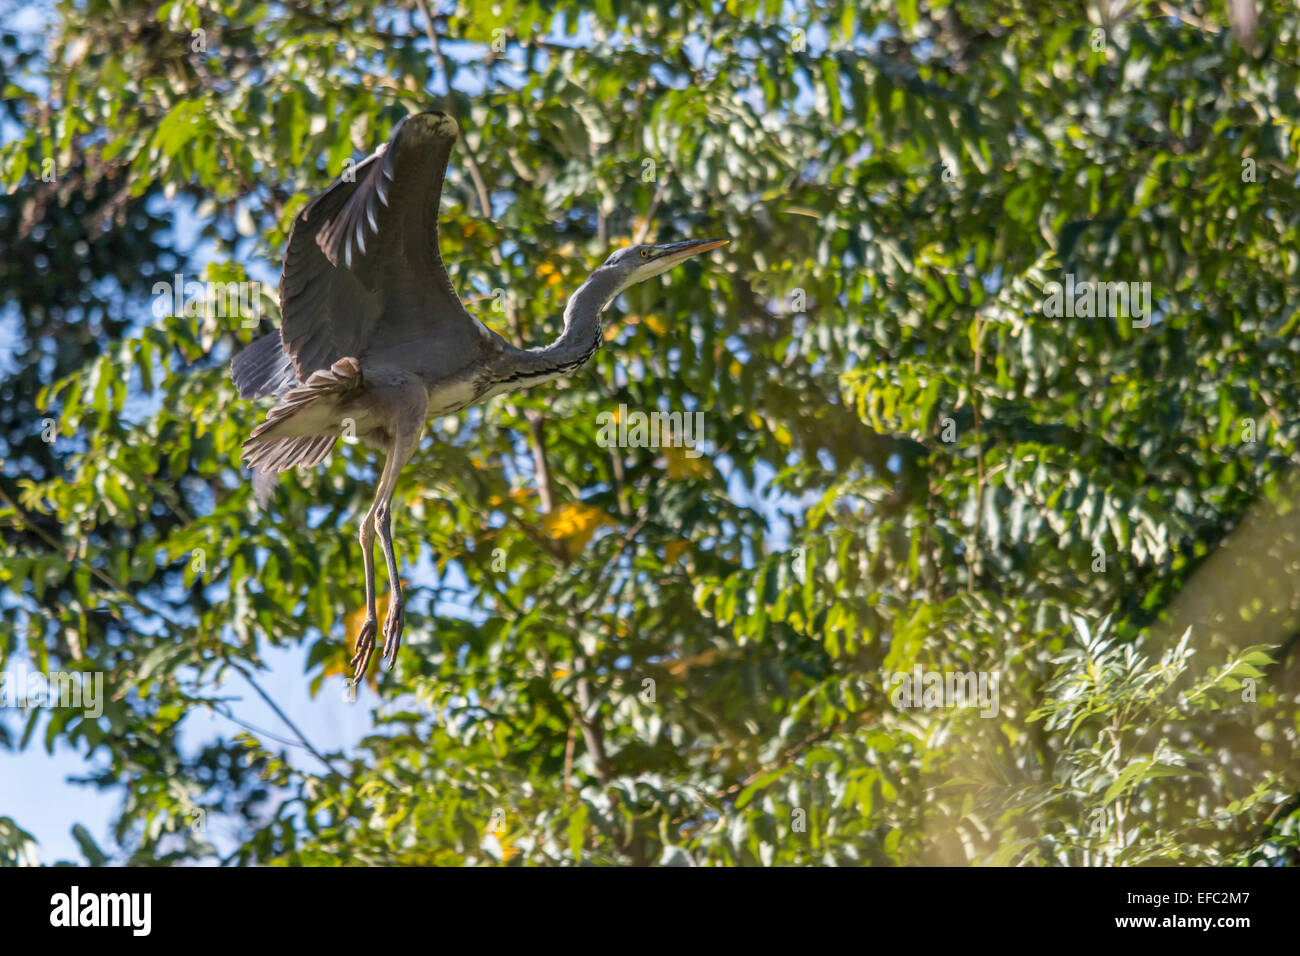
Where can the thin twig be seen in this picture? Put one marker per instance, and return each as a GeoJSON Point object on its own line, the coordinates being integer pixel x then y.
{"type": "Point", "coordinates": [280, 713]}
{"type": "Point", "coordinates": [175, 629]}
{"type": "Point", "coordinates": [644, 231]}
{"type": "Point", "coordinates": [536, 426]}
{"type": "Point", "coordinates": [471, 161]}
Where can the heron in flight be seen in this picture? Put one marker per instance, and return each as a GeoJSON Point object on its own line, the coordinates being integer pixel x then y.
{"type": "Point", "coordinates": [374, 339]}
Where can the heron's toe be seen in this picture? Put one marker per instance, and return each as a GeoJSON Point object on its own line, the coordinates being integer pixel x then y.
{"type": "Point", "coordinates": [365, 648]}
{"type": "Point", "coordinates": [393, 625]}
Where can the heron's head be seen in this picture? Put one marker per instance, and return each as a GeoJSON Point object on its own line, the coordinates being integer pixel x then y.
{"type": "Point", "coordinates": [634, 264]}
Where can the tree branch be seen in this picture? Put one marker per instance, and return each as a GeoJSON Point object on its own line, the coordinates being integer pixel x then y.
{"type": "Point", "coordinates": [177, 631]}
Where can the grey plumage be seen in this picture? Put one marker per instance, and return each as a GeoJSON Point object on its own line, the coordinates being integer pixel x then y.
{"type": "Point", "coordinates": [374, 337]}
{"type": "Point", "coordinates": [262, 369]}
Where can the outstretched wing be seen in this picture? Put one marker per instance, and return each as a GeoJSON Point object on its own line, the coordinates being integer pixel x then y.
{"type": "Point", "coordinates": [363, 273]}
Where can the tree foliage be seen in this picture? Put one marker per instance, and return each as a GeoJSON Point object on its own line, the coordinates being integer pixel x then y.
{"type": "Point", "coordinates": [632, 655]}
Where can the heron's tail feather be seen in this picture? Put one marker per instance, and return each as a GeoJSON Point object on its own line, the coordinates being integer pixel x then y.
{"type": "Point", "coordinates": [263, 485]}
{"type": "Point", "coordinates": [279, 454]}
{"type": "Point", "coordinates": [310, 408]}
{"type": "Point", "coordinates": [292, 433]}
{"type": "Point", "coordinates": [263, 368]}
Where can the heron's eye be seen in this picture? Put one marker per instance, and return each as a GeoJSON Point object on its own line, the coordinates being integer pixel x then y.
{"type": "Point", "coordinates": [645, 253]}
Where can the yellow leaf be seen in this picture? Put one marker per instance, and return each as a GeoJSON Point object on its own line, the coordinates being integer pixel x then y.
{"type": "Point", "coordinates": [656, 324]}
{"type": "Point", "coordinates": [679, 466]}
{"type": "Point", "coordinates": [549, 274]}
{"type": "Point", "coordinates": [508, 849]}
{"type": "Point", "coordinates": [616, 326]}
{"type": "Point", "coordinates": [575, 523]}
{"type": "Point", "coordinates": [681, 666]}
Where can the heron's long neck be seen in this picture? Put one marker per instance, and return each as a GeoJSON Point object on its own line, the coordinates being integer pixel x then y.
{"type": "Point", "coordinates": [577, 343]}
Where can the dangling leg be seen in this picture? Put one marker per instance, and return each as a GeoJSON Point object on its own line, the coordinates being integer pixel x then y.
{"type": "Point", "coordinates": [395, 620]}
{"type": "Point", "coordinates": [366, 639]}
{"type": "Point", "coordinates": [378, 514]}
{"type": "Point", "coordinates": [408, 402]}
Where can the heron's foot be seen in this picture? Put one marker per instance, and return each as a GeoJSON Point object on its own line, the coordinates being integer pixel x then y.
{"type": "Point", "coordinates": [365, 647]}
{"type": "Point", "coordinates": [393, 625]}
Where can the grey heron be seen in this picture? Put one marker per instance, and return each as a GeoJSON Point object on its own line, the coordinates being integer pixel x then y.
{"type": "Point", "coordinates": [373, 337]}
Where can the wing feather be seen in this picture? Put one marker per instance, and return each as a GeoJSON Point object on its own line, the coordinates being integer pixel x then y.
{"type": "Point", "coordinates": [263, 368]}
{"type": "Point", "coordinates": [363, 273]}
